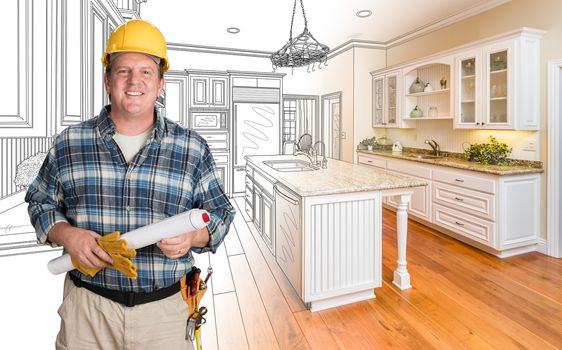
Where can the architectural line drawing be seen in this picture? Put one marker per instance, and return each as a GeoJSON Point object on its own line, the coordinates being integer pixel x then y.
{"type": "Point", "coordinates": [300, 207]}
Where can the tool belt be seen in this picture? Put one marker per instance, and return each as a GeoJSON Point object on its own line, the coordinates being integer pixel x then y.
{"type": "Point", "coordinates": [131, 299]}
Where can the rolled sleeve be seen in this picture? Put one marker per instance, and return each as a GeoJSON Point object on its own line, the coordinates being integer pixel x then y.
{"type": "Point", "coordinates": [44, 196]}
{"type": "Point", "coordinates": [210, 196]}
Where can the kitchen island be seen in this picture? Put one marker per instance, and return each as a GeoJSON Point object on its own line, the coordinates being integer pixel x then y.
{"type": "Point", "coordinates": [324, 226]}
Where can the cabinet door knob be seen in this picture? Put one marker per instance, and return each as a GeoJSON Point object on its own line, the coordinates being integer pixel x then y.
{"type": "Point", "coordinates": [459, 223]}
{"type": "Point", "coordinates": [459, 199]}
{"type": "Point", "coordinates": [459, 180]}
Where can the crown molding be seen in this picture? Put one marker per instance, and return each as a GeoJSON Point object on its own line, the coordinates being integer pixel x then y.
{"type": "Point", "coordinates": [218, 50]}
{"type": "Point", "coordinates": [444, 22]}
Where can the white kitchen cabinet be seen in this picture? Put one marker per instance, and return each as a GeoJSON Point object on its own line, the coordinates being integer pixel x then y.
{"type": "Point", "coordinates": [221, 169]}
{"type": "Point", "coordinates": [499, 214]}
{"type": "Point", "coordinates": [498, 84]}
{"type": "Point", "coordinates": [267, 228]}
{"type": "Point", "coordinates": [420, 204]}
{"type": "Point", "coordinates": [498, 211]}
{"type": "Point", "coordinates": [434, 104]}
{"type": "Point", "coordinates": [208, 91]}
{"type": "Point", "coordinates": [386, 99]}
{"type": "Point", "coordinates": [259, 203]}
{"type": "Point", "coordinates": [175, 96]}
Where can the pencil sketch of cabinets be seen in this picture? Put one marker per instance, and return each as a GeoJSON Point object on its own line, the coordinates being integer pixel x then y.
{"type": "Point", "coordinates": [208, 89]}
{"type": "Point", "coordinates": [22, 94]}
{"type": "Point", "coordinates": [78, 34]}
{"type": "Point", "coordinates": [175, 101]}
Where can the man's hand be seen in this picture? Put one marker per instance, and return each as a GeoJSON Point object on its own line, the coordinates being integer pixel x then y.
{"type": "Point", "coordinates": [81, 245]}
{"type": "Point", "coordinates": [178, 246]}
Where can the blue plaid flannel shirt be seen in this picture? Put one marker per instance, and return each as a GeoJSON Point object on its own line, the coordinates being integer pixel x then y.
{"type": "Point", "coordinates": [86, 182]}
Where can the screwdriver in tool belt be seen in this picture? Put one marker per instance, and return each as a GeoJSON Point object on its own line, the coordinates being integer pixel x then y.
{"type": "Point", "coordinates": [194, 279]}
{"type": "Point", "coordinates": [204, 283]}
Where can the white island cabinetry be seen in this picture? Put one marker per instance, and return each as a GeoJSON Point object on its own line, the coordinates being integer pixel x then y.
{"type": "Point", "coordinates": [327, 229]}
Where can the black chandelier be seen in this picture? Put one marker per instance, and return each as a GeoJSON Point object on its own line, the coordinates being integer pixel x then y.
{"type": "Point", "coordinates": [302, 50]}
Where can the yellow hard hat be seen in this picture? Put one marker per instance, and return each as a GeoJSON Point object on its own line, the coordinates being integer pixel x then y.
{"type": "Point", "coordinates": [137, 36]}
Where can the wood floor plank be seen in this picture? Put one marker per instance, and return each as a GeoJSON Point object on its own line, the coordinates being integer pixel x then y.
{"type": "Point", "coordinates": [355, 326]}
{"type": "Point", "coordinates": [516, 301]}
{"type": "Point", "coordinates": [230, 327]}
{"type": "Point", "coordinates": [221, 272]}
{"type": "Point", "coordinates": [492, 324]}
{"type": "Point", "coordinates": [232, 242]}
{"type": "Point", "coordinates": [316, 331]}
{"type": "Point", "coordinates": [259, 331]}
{"type": "Point", "coordinates": [287, 331]}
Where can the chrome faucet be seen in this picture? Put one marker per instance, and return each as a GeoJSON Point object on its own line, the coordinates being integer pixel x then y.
{"type": "Point", "coordinates": [324, 162]}
{"type": "Point", "coordinates": [309, 154]}
{"type": "Point", "coordinates": [434, 145]}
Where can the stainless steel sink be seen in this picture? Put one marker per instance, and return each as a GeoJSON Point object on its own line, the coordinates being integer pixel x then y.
{"type": "Point", "coordinates": [424, 156]}
{"type": "Point", "coordinates": [289, 165]}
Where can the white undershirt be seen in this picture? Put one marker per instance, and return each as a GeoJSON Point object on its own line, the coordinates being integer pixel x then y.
{"type": "Point", "coordinates": [130, 145]}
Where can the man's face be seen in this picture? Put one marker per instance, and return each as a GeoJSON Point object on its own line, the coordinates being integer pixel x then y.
{"type": "Point", "coordinates": [134, 84]}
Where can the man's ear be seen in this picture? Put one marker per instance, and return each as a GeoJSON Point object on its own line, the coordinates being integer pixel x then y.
{"type": "Point", "coordinates": [106, 85]}
{"type": "Point", "coordinates": [161, 86]}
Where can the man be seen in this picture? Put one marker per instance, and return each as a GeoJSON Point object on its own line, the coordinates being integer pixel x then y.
{"type": "Point", "coordinates": [127, 168]}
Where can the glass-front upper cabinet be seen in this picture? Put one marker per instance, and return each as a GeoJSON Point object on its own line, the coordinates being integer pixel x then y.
{"type": "Point", "coordinates": [468, 106]}
{"type": "Point", "coordinates": [386, 100]}
{"type": "Point", "coordinates": [391, 96]}
{"type": "Point", "coordinates": [499, 68]}
{"type": "Point", "coordinates": [485, 89]}
{"type": "Point", "coordinates": [378, 98]}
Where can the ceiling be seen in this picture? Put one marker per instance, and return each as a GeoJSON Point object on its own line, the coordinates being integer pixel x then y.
{"type": "Point", "coordinates": [265, 24]}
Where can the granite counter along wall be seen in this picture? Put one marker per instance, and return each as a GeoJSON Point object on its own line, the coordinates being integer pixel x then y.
{"type": "Point", "coordinates": [452, 140]}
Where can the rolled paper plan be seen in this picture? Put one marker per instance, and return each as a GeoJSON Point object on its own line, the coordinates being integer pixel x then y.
{"type": "Point", "coordinates": [172, 226]}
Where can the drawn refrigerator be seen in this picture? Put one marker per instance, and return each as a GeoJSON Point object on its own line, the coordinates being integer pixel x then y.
{"type": "Point", "coordinates": [256, 131]}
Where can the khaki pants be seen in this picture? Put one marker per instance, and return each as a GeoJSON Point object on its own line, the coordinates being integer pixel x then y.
{"type": "Point", "coordinates": [89, 321]}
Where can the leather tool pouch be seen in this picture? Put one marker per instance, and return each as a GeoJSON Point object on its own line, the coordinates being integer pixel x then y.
{"type": "Point", "coordinates": [191, 299]}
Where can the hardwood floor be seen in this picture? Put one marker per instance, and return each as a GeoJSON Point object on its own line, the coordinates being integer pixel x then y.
{"type": "Point", "coordinates": [461, 298]}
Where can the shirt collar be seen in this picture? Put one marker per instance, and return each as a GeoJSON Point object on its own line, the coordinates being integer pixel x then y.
{"type": "Point", "coordinates": [106, 126]}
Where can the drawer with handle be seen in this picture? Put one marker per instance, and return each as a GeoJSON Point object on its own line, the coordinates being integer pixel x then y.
{"type": "Point", "coordinates": [378, 162]}
{"type": "Point", "coordinates": [248, 195]}
{"type": "Point", "coordinates": [215, 136]}
{"type": "Point", "coordinates": [220, 158]}
{"type": "Point", "coordinates": [468, 201]}
{"type": "Point", "coordinates": [458, 178]}
{"type": "Point", "coordinates": [218, 145]}
{"type": "Point", "coordinates": [464, 224]}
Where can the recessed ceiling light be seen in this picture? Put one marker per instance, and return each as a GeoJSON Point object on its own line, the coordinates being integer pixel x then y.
{"type": "Point", "coordinates": [233, 30]}
{"type": "Point", "coordinates": [364, 13]}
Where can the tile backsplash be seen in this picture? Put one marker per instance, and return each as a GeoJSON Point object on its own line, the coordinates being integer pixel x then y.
{"type": "Point", "coordinates": [452, 140]}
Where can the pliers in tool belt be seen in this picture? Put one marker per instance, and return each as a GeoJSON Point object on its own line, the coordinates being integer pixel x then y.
{"type": "Point", "coordinates": [194, 323]}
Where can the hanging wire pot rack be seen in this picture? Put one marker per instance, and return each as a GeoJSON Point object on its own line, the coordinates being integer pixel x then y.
{"type": "Point", "coordinates": [302, 50]}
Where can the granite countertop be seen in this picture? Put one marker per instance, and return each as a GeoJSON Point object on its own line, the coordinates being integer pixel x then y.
{"type": "Point", "coordinates": [339, 177]}
{"type": "Point", "coordinates": [456, 160]}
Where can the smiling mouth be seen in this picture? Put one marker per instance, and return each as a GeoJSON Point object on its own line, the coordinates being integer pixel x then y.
{"type": "Point", "coordinates": [134, 93]}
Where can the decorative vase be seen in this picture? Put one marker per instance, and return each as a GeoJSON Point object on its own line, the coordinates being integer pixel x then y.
{"type": "Point", "coordinates": [416, 113]}
{"type": "Point", "coordinates": [428, 88]}
{"type": "Point", "coordinates": [417, 86]}
{"type": "Point", "coordinates": [443, 83]}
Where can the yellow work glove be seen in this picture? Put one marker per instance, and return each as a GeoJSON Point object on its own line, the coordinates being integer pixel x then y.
{"type": "Point", "coordinates": [118, 251]}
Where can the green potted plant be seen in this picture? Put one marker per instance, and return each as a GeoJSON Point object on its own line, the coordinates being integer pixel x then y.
{"type": "Point", "coordinates": [369, 143]}
{"type": "Point", "coordinates": [493, 153]}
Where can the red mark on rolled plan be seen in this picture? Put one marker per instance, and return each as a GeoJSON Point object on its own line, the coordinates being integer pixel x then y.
{"type": "Point", "coordinates": [206, 218]}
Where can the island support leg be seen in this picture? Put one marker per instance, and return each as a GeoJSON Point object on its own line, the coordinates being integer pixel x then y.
{"type": "Point", "coordinates": [401, 275]}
